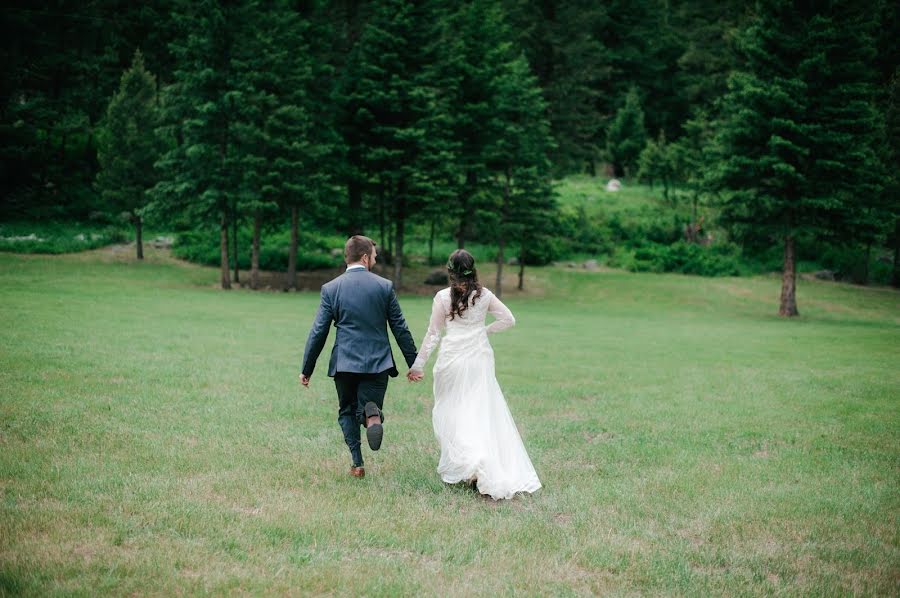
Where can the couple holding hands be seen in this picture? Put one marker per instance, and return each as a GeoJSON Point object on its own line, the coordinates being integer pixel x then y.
{"type": "Point", "coordinates": [480, 444]}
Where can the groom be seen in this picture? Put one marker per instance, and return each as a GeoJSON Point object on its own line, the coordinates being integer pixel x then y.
{"type": "Point", "coordinates": [361, 305]}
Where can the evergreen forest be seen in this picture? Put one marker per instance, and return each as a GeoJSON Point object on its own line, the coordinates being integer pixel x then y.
{"type": "Point", "coordinates": [263, 132]}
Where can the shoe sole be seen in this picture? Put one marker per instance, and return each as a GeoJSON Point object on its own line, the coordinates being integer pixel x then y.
{"type": "Point", "coordinates": [374, 432]}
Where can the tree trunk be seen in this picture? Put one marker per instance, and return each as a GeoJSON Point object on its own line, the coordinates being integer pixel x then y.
{"type": "Point", "coordinates": [354, 193]}
{"type": "Point", "coordinates": [895, 279]}
{"type": "Point", "coordinates": [498, 285]}
{"type": "Point", "coordinates": [254, 256]}
{"type": "Point", "coordinates": [789, 280]}
{"type": "Point", "coordinates": [465, 217]}
{"type": "Point", "coordinates": [522, 268]}
{"type": "Point", "coordinates": [223, 245]}
{"type": "Point", "coordinates": [461, 231]}
{"type": "Point", "coordinates": [139, 237]}
{"type": "Point", "coordinates": [398, 244]}
{"type": "Point", "coordinates": [431, 244]}
{"type": "Point", "coordinates": [354, 207]}
{"type": "Point", "coordinates": [501, 244]}
{"type": "Point", "coordinates": [865, 279]}
{"type": "Point", "coordinates": [234, 227]}
{"type": "Point", "coordinates": [291, 282]}
{"type": "Point", "coordinates": [391, 229]}
{"type": "Point", "coordinates": [381, 219]}
{"type": "Point", "coordinates": [694, 200]}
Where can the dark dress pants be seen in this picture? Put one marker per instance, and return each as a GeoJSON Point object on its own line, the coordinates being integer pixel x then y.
{"type": "Point", "coordinates": [354, 391]}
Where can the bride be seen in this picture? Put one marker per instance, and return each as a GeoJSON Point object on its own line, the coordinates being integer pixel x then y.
{"type": "Point", "coordinates": [478, 438]}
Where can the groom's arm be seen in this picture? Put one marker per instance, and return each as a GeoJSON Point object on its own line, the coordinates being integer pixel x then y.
{"type": "Point", "coordinates": [318, 334]}
{"type": "Point", "coordinates": [400, 330]}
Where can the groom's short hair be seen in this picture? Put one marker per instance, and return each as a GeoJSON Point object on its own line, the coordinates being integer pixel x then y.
{"type": "Point", "coordinates": [356, 247]}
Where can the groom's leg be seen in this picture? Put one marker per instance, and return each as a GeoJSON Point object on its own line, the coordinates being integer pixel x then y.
{"type": "Point", "coordinates": [372, 387]}
{"type": "Point", "coordinates": [347, 385]}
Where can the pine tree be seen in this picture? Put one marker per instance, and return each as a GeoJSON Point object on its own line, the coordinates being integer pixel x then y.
{"type": "Point", "coordinates": [473, 47]}
{"type": "Point", "coordinates": [627, 136]}
{"type": "Point", "coordinates": [789, 162]}
{"type": "Point", "coordinates": [518, 157]}
{"type": "Point", "coordinates": [762, 158]}
{"type": "Point", "coordinates": [564, 43]}
{"type": "Point", "coordinates": [845, 129]}
{"type": "Point", "coordinates": [200, 171]}
{"type": "Point", "coordinates": [388, 96]}
{"type": "Point", "coordinates": [703, 27]}
{"type": "Point", "coordinates": [644, 47]}
{"type": "Point", "coordinates": [275, 143]}
{"type": "Point", "coordinates": [654, 163]}
{"type": "Point", "coordinates": [892, 185]}
{"type": "Point", "coordinates": [305, 145]}
{"type": "Point", "coordinates": [128, 146]}
{"type": "Point", "coordinates": [689, 157]}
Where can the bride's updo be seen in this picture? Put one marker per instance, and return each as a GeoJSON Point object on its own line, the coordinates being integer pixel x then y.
{"type": "Point", "coordinates": [463, 281]}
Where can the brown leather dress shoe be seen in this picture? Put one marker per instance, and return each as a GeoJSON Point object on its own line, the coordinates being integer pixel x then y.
{"type": "Point", "coordinates": [358, 472]}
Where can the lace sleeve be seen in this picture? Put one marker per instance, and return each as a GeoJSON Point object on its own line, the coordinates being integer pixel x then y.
{"type": "Point", "coordinates": [504, 317]}
{"type": "Point", "coordinates": [433, 336]}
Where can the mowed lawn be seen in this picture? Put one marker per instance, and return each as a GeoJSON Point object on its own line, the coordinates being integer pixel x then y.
{"type": "Point", "coordinates": [154, 440]}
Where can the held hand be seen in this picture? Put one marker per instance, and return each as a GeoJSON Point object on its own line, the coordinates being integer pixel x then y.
{"type": "Point", "coordinates": [304, 380]}
{"type": "Point", "coordinates": [413, 376]}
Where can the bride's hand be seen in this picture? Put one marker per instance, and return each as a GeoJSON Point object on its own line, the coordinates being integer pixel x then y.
{"type": "Point", "coordinates": [414, 376]}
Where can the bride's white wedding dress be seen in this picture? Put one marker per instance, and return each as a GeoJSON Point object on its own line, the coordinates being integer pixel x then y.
{"type": "Point", "coordinates": [472, 422]}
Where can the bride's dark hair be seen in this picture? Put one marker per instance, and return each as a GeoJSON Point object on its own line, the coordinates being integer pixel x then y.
{"type": "Point", "coordinates": [463, 281]}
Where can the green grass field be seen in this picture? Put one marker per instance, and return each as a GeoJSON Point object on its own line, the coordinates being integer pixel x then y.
{"type": "Point", "coordinates": [154, 440]}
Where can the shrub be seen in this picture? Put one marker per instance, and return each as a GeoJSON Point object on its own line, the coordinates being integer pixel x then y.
{"type": "Point", "coordinates": [58, 237]}
{"type": "Point", "coordinates": [849, 264]}
{"type": "Point", "coordinates": [687, 258]}
{"type": "Point", "coordinates": [314, 249]}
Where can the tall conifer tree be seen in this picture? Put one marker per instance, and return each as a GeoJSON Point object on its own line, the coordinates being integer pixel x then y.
{"type": "Point", "coordinates": [627, 136]}
{"type": "Point", "coordinates": [518, 159]}
{"type": "Point", "coordinates": [389, 95]}
{"type": "Point", "coordinates": [128, 147]}
{"type": "Point", "coordinates": [199, 172]}
{"type": "Point", "coordinates": [797, 132]}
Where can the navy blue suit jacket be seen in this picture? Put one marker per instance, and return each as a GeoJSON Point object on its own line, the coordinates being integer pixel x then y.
{"type": "Point", "coordinates": [361, 305]}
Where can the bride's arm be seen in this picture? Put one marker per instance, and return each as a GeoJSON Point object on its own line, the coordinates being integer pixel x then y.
{"type": "Point", "coordinates": [504, 317]}
{"type": "Point", "coordinates": [433, 336]}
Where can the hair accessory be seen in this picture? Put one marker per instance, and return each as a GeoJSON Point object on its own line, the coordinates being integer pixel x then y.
{"type": "Point", "coordinates": [455, 271]}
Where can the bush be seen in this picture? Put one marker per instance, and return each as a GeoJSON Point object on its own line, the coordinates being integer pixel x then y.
{"type": "Point", "coordinates": [849, 264]}
{"type": "Point", "coordinates": [577, 233]}
{"type": "Point", "coordinates": [687, 258]}
{"type": "Point", "coordinates": [646, 225]}
{"type": "Point", "coordinates": [314, 249]}
{"type": "Point", "coordinates": [58, 237]}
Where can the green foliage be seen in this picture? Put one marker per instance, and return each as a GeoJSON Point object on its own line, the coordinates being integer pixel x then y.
{"type": "Point", "coordinates": [128, 146]}
{"type": "Point", "coordinates": [57, 237]}
{"type": "Point", "coordinates": [627, 136]}
{"type": "Point", "coordinates": [314, 250]}
{"type": "Point", "coordinates": [380, 117]}
{"type": "Point", "coordinates": [580, 233]}
{"type": "Point", "coordinates": [567, 53]}
{"type": "Point", "coordinates": [721, 259]}
{"type": "Point", "coordinates": [200, 172]}
{"type": "Point", "coordinates": [657, 162]}
{"type": "Point", "coordinates": [856, 264]}
{"type": "Point", "coordinates": [787, 161]}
